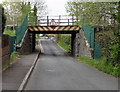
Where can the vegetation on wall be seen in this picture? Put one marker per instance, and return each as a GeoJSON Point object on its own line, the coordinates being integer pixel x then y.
{"type": "Point", "coordinates": [13, 56]}
{"type": "Point", "coordinates": [65, 42]}
{"type": "Point", "coordinates": [106, 16]}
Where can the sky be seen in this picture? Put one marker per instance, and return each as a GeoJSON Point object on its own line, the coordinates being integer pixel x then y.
{"type": "Point", "coordinates": [56, 7]}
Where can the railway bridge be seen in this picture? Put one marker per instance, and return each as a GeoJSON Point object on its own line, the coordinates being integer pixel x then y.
{"type": "Point", "coordinates": [62, 24]}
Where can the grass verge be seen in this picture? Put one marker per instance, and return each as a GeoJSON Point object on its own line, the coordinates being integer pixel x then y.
{"type": "Point", "coordinates": [4, 67]}
{"type": "Point", "coordinates": [64, 46]}
{"type": "Point", "coordinates": [13, 56]}
{"type": "Point", "coordinates": [102, 65]}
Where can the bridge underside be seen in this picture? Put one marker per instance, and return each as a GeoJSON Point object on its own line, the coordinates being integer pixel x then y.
{"type": "Point", "coordinates": [50, 32]}
{"type": "Point", "coordinates": [53, 29]}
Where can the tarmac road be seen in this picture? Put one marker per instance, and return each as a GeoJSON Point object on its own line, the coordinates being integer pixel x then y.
{"type": "Point", "coordinates": [55, 70]}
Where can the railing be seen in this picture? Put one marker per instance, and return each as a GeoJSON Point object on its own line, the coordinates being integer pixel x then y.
{"type": "Point", "coordinates": [21, 31]}
{"type": "Point", "coordinates": [61, 20]}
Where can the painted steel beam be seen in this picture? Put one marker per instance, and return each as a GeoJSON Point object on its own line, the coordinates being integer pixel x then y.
{"type": "Point", "coordinates": [53, 28]}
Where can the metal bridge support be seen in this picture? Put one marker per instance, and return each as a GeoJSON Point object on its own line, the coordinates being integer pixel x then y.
{"type": "Point", "coordinates": [73, 38]}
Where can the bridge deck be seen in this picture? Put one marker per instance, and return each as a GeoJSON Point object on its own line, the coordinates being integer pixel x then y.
{"type": "Point", "coordinates": [54, 29]}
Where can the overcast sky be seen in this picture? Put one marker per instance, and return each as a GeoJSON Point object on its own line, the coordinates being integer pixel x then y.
{"type": "Point", "coordinates": [56, 7]}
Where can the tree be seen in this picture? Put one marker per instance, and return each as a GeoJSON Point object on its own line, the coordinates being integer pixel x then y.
{"type": "Point", "coordinates": [25, 8]}
{"type": "Point", "coordinates": [18, 10]}
{"type": "Point", "coordinates": [12, 11]}
{"type": "Point", "coordinates": [74, 8]}
{"type": "Point", "coordinates": [115, 46]}
{"type": "Point", "coordinates": [91, 13]}
{"type": "Point", "coordinates": [105, 15]}
{"type": "Point", "coordinates": [40, 8]}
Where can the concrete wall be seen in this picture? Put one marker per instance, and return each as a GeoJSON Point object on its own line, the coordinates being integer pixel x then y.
{"type": "Point", "coordinates": [27, 45]}
{"type": "Point", "coordinates": [82, 47]}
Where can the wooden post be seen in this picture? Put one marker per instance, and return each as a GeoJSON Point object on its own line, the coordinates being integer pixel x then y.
{"type": "Point", "coordinates": [73, 36]}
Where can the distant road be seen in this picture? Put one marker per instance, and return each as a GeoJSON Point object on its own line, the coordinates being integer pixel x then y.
{"type": "Point", "coordinates": [57, 71]}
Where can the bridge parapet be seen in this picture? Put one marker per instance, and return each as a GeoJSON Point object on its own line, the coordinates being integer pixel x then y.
{"type": "Point", "coordinates": [61, 20]}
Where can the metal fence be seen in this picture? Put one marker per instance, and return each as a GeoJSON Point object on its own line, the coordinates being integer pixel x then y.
{"type": "Point", "coordinates": [20, 31]}
{"type": "Point", "coordinates": [12, 44]}
{"type": "Point", "coordinates": [90, 35]}
{"type": "Point", "coordinates": [60, 20]}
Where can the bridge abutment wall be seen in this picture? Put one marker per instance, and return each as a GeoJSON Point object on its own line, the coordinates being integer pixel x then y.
{"type": "Point", "coordinates": [28, 45]}
{"type": "Point", "coordinates": [81, 46]}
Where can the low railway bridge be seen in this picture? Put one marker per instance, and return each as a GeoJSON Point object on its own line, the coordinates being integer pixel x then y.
{"type": "Point", "coordinates": [26, 32]}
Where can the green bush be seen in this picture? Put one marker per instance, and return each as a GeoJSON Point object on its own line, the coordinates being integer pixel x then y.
{"type": "Point", "coordinates": [110, 45]}
{"type": "Point", "coordinates": [38, 36]}
{"type": "Point", "coordinates": [65, 42]}
{"type": "Point", "coordinates": [103, 65]}
{"type": "Point", "coordinates": [13, 56]}
{"type": "Point", "coordinates": [115, 51]}
{"type": "Point", "coordinates": [64, 46]}
{"type": "Point", "coordinates": [9, 32]}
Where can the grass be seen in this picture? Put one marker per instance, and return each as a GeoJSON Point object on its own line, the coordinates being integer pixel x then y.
{"type": "Point", "coordinates": [102, 65]}
{"type": "Point", "coordinates": [64, 46]}
{"type": "Point", "coordinates": [13, 56]}
{"type": "Point", "coordinates": [4, 67]}
{"type": "Point", "coordinates": [64, 41]}
{"type": "Point", "coordinates": [38, 36]}
{"type": "Point", "coordinates": [9, 32]}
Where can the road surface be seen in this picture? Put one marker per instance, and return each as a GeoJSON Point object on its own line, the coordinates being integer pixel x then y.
{"type": "Point", "coordinates": [55, 70]}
